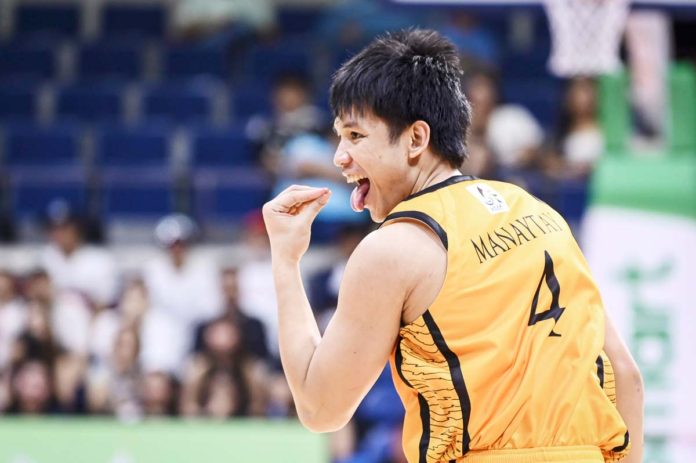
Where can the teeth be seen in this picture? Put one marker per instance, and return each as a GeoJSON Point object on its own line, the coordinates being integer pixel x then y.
{"type": "Point", "coordinates": [353, 178]}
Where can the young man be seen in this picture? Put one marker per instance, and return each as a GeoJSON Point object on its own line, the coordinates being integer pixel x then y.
{"type": "Point", "coordinates": [475, 290]}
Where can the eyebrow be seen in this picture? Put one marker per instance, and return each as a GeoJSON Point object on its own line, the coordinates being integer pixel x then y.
{"type": "Point", "coordinates": [347, 125]}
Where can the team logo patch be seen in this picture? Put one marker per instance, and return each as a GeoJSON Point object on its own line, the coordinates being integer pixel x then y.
{"type": "Point", "coordinates": [490, 198]}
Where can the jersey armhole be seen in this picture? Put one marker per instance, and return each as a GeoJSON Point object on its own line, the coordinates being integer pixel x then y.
{"type": "Point", "coordinates": [424, 219]}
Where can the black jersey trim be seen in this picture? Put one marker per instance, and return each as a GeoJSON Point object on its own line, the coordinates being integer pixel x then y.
{"type": "Point", "coordinates": [621, 448]}
{"type": "Point", "coordinates": [457, 377]}
{"type": "Point", "coordinates": [600, 371]}
{"type": "Point", "coordinates": [443, 184]}
{"type": "Point", "coordinates": [423, 405]}
{"type": "Point", "coordinates": [425, 422]}
{"type": "Point", "coordinates": [421, 217]}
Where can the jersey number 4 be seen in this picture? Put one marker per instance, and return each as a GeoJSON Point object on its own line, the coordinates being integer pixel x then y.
{"type": "Point", "coordinates": [555, 311]}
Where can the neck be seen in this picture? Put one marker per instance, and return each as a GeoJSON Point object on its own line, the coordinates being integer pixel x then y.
{"type": "Point", "coordinates": [439, 173]}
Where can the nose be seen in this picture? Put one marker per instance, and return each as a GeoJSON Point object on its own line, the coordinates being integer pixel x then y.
{"type": "Point", "coordinates": [341, 157]}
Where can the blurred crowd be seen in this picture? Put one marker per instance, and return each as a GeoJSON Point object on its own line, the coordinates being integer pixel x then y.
{"type": "Point", "coordinates": [184, 337]}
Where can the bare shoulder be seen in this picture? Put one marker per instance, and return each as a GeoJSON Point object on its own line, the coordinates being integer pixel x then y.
{"type": "Point", "coordinates": [407, 260]}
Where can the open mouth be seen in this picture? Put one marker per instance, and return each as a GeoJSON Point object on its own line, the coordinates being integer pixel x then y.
{"type": "Point", "coordinates": [357, 197]}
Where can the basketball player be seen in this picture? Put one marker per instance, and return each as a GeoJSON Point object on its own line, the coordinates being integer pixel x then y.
{"type": "Point", "coordinates": [474, 290]}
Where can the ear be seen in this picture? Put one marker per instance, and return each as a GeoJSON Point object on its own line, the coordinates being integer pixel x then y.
{"type": "Point", "coordinates": [419, 139]}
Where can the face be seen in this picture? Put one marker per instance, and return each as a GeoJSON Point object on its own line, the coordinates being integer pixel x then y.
{"type": "Point", "coordinates": [66, 237]}
{"type": "Point", "coordinates": [365, 151]}
{"type": "Point", "coordinates": [581, 97]}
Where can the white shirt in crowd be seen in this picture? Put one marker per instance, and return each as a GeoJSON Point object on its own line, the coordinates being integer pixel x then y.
{"type": "Point", "coordinates": [257, 298]}
{"type": "Point", "coordinates": [89, 270]}
{"type": "Point", "coordinates": [13, 319]}
{"type": "Point", "coordinates": [180, 299]}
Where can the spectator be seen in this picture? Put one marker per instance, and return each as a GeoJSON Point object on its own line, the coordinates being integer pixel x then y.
{"type": "Point", "coordinates": [257, 297]}
{"type": "Point", "coordinates": [158, 392]}
{"type": "Point", "coordinates": [198, 19]}
{"type": "Point", "coordinates": [324, 284]}
{"type": "Point", "coordinates": [32, 389]}
{"type": "Point", "coordinates": [223, 380]}
{"type": "Point", "coordinates": [477, 46]}
{"type": "Point", "coordinates": [13, 316]}
{"type": "Point", "coordinates": [578, 142]}
{"type": "Point", "coordinates": [74, 266]}
{"type": "Point", "coordinates": [183, 291]}
{"type": "Point", "coordinates": [292, 114]}
{"type": "Point", "coordinates": [252, 331]}
{"type": "Point", "coordinates": [113, 387]}
{"type": "Point", "coordinates": [481, 88]}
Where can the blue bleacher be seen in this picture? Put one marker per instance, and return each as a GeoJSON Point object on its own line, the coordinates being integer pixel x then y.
{"type": "Point", "coordinates": [267, 62]}
{"type": "Point", "coordinates": [133, 164]}
{"type": "Point", "coordinates": [28, 61]}
{"type": "Point", "coordinates": [540, 96]}
{"type": "Point", "coordinates": [135, 20]}
{"type": "Point", "coordinates": [178, 103]}
{"type": "Point", "coordinates": [91, 102]}
{"type": "Point", "coordinates": [43, 163]}
{"type": "Point", "coordinates": [222, 195]}
{"type": "Point", "coordinates": [59, 19]}
{"type": "Point", "coordinates": [119, 59]}
{"type": "Point", "coordinates": [29, 145]}
{"type": "Point", "coordinates": [17, 101]}
{"type": "Point", "coordinates": [141, 146]}
{"type": "Point", "coordinates": [220, 147]}
{"type": "Point", "coordinates": [251, 99]}
{"type": "Point", "coordinates": [193, 61]}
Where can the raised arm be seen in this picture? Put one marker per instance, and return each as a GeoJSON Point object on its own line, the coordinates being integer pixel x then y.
{"type": "Point", "coordinates": [629, 389]}
{"type": "Point", "coordinates": [329, 375]}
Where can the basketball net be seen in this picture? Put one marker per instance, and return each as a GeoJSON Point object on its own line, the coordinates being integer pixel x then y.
{"type": "Point", "coordinates": [586, 35]}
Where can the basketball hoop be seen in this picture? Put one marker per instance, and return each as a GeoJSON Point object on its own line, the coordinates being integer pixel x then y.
{"type": "Point", "coordinates": [586, 35]}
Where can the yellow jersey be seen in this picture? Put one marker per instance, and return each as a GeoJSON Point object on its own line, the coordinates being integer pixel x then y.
{"type": "Point", "coordinates": [508, 358]}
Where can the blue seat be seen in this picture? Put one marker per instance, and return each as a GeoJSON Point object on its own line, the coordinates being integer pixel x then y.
{"type": "Point", "coordinates": [120, 59]}
{"type": "Point", "coordinates": [179, 103]}
{"type": "Point", "coordinates": [134, 171]}
{"type": "Point", "coordinates": [249, 100]}
{"type": "Point", "coordinates": [122, 146]}
{"type": "Point", "coordinates": [122, 20]}
{"type": "Point", "coordinates": [29, 61]}
{"type": "Point", "coordinates": [91, 102]}
{"type": "Point", "coordinates": [540, 96]}
{"type": "Point", "coordinates": [59, 19]}
{"type": "Point", "coordinates": [268, 62]}
{"type": "Point", "coordinates": [220, 147]}
{"type": "Point", "coordinates": [29, 145]}
{"type": "Point", "coordinates": [17, 102]}
{"type": "Point", "coordinates": [186, 62]}
{"type": "Point", "coordinates": [43, 163]}
{"type": "Point", "coordinates": [221, 195]}
{"type": "Point", "coordinates": [137, 197]}
{"type": "Point", "coordinates": [32, 191]}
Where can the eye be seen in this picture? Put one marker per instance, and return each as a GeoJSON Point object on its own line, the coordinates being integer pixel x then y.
{"type": "Point", "coordinates": [355, 135]}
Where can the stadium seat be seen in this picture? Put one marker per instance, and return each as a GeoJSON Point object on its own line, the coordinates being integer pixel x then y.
{"type": "Point", "coordinates": [61, 19]}
{"type": "Point", "coordinates": [29, 145]}
{"type": "Point", "coordinates": [220, 147]}
{"type": "Point", "coordinates": [268, 62]}
{"type": "Point", "coordinates": [43, 163]}
{"type": "Point", "coordinates": [542, 97]}
{"type": "Point", "coordinates": [179, 103]}
{"type": "Point", "coordinates": [17, 101]}
{"type": "Point", "coordinates": [123, 146]}
{"type": "Point", "coordinates": [187, 62]}
{"type": "Point", "coordinates": [249, 100]}
{"type": "Point", "coordinates": [134, 171]}
{"type": "Point", "coordinates": [222, 195]}
{"type": "Point", "coordinates": [116, 59]}
{"type": "Point", "coordinates": [140, 20]}
{"type": "Point", "coordinates": [91, 102]}
{"type": "Point", "coordinates": [27, 61]}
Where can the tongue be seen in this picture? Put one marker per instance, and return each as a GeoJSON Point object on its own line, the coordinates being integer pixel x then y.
{"type": "Point", "coordinates": [357, 197]}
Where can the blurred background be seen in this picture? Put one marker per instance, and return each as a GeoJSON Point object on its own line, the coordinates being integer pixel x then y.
{"type": "Point", "coordinates": [139, 139]}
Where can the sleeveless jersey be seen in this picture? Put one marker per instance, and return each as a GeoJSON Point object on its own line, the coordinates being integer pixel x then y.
{"type": "Point", "coordinates": [509, 355]}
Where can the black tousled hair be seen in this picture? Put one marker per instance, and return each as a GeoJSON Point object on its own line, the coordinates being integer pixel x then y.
{"type": "Point", "coordinates": [404, 77]}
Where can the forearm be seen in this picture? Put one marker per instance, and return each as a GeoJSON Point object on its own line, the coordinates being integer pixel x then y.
{"type": "Point", "coordinates": [629, 401]}
{"type": "Point", "coordinates": [298, 331]}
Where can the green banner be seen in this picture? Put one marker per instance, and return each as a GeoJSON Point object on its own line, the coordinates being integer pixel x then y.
{"type": "Point", "coordinates": [71, 440]}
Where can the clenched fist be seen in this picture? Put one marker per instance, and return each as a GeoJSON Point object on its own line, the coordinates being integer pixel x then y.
{"type": "Point", "coordinates": [289, 218]}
